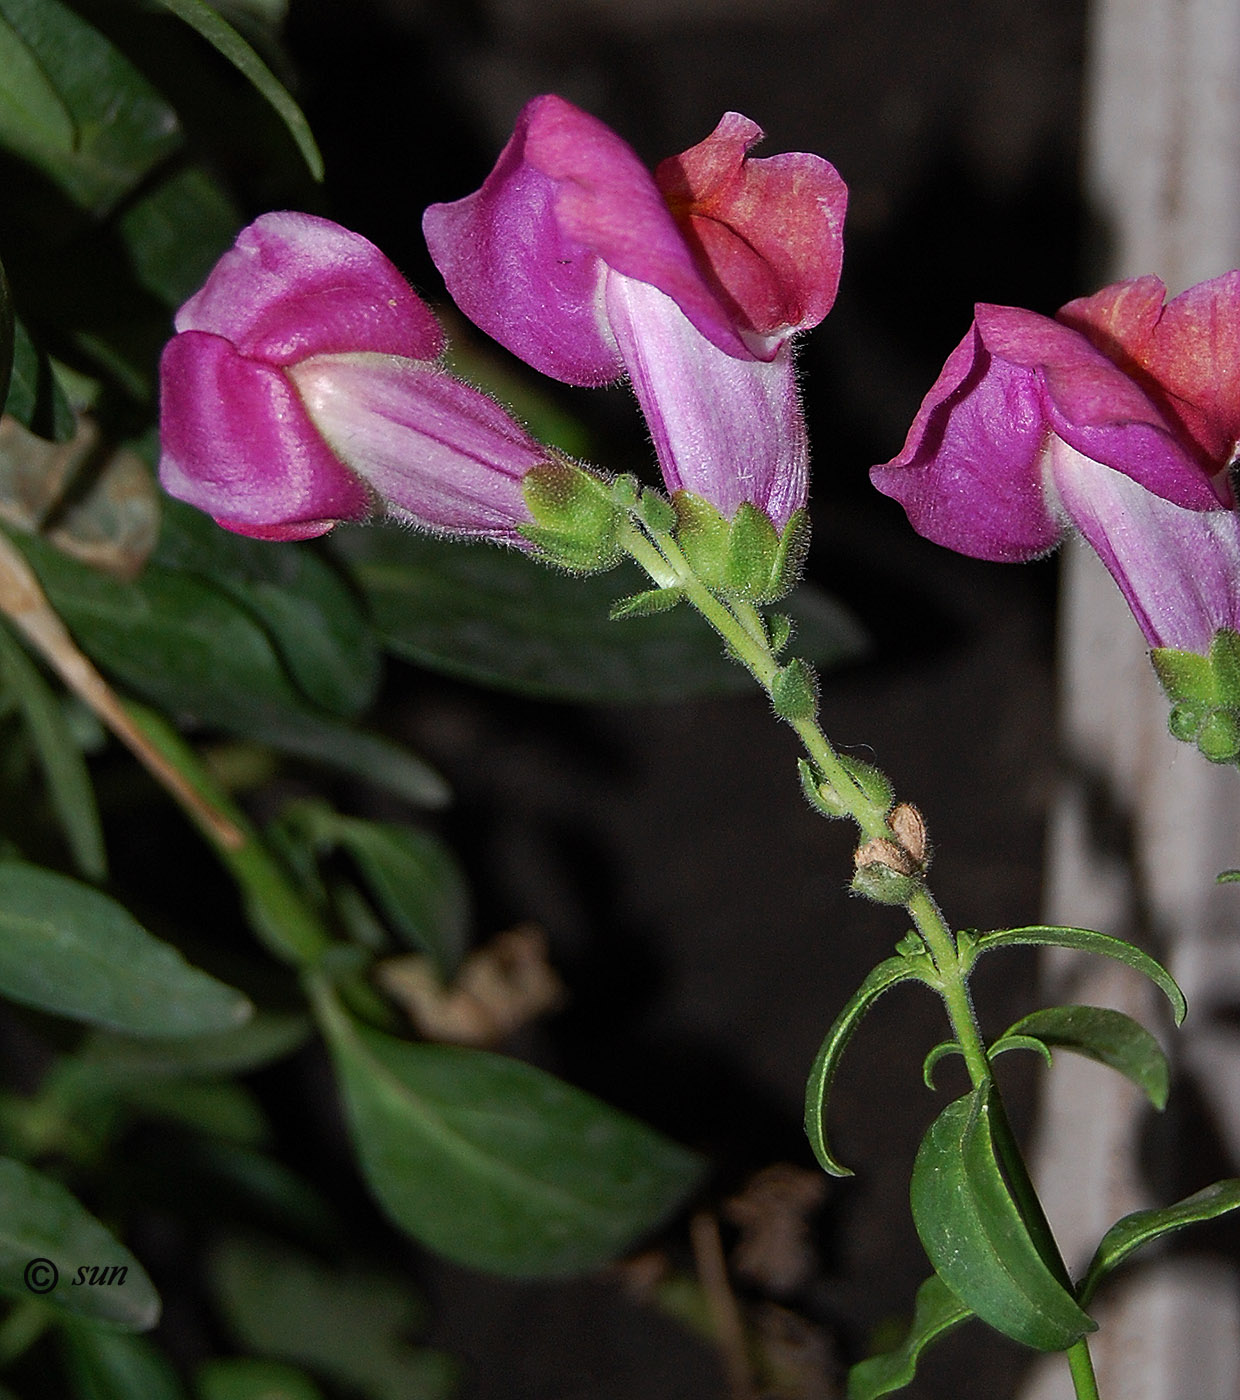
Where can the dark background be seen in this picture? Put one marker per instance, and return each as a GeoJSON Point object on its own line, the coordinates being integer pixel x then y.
{"type": "Point", "coordinates": [695, 905]}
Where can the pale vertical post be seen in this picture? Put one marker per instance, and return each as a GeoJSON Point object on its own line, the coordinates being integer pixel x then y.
{"type": "Point", "coordinates": [1162, 172]}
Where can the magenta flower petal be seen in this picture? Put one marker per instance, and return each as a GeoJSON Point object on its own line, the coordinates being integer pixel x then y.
{"type": "Point", "coordinates": [769, 233]}
{"type": "Point", "coordinates": [1187, 354]}
{"type": "Point", "coordinates": [1178, 569]}
{"type": "Point", "coordinates": [970, 473]}
{"type": "Point", "coordinates": [726, 429]}
{"type": "Point", "coordinates": [525, 256]}
{"type": "Point", "coordinates": [294, 285]}
{"type": "Point", "coordinates": [438, 452]}
{"type": "Point", "coordinates": [1095, 406]}
{"type": "Point", "coordinates": [238, 444]}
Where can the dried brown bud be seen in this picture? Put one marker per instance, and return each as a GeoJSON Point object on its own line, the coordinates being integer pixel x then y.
{"type": "Point", "coordinates": [910, 830]}
{"type": "Point", "coordinates": [880, 851]}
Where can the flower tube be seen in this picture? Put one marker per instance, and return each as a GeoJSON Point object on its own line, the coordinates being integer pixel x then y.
{"type": "Point", "coordinates": [692, 281]}
{"type": "Point", "coordinates": [303, 388]}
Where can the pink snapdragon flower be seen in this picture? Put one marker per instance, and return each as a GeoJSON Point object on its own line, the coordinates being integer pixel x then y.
{"type": "Point", "coordinates": [303, 388]}
{"type": "Point", "coordinates": [1119, 418]}
{"type": "Point", "coordinates": [692, 281]}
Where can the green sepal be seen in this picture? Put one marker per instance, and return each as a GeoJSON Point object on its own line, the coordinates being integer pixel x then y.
{"type": "Point", "coordinates": [779, 631]}
{"type": "Point", "coordinates": [1225, 664]}
{"type": "Point", "coordinates": [1099, 1033]}
{"type": "Point", "coordinates": [753, 547]}
{"type": "Point", "coordinates": [889, 972]}
{"type": "Point", "coordinates": [702, 533]}
{"type": "Point", "coordinates": [744, 557]}
{"type": "Point", "coordinates": [821, 796]}
{"type": "Point", "coordinates": [654, 600]}
{"type": "Point", "coordinates": [883, 885]}
{"type": "Point", "coordinates": [794, 691]}
{"type": "Point", "coordinates": [1186, 719]}
{"type": "Point", "coordinates": [975, 1237]}
{"type": "Point", "coordinates": [790, 557]}
{"type": "Point", "coordinates": [626, 491]}
{"type": "Point", "coordinates": [872, 781]}
{"type": "Point", "coordinates": [576, 522]}
{"type": "Point", "coordinates": [657, 511]}
{"type": "Point", "coordinates": [1205, 695]}
{"type": "Point", "coordinates": [937, 1312]}
{"type": "Point", "coordinates": [1144, 1226]}
{"type": "Point", "coordinates": [1085, 941]}
{"type": "Point", "coordinates": [939, 1052]}
{"type": "Point", "coordinates": [1218, 739]}
{"type": "Point", "coordinates": [1184, 675]}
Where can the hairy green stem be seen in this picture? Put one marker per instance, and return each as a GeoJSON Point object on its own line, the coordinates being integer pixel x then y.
{"type": "Point", "coordinates": [744, 633]}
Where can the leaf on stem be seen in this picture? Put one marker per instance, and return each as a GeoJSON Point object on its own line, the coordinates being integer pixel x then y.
{"type": "Point", "coordinates": [68, 949]}
{"type": "Point", "coordinates": [494, 1163]}
{"type": "Point", "coordinates": [499, 619]}
{"type": "Point", "coordinates": [108, 1365]}
{"type": "Point", "coordinates": [75, 107]}
{"type": "Point", "coordinates": [41, 1223]}
{"type": "Point", "coordinates": [1087, 941]}
{"type": "Point", "coordinates": [975, 1237]}
{"type": "Point", "coordinates": [938, 1311]}
{"type": "Point", "coordinates": [1145, 1226]}
{"type": "Point", "coordinates": [1110, 1037]}
{"type": "Point", "coordinates": [914, 967]}
{"type": "Point", "coordinates": [68, 782]}
{"type": "Point", "coordinates": [225, 40]}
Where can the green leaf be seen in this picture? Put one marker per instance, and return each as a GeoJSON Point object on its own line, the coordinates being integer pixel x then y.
{"type": "Point", "coordinates": [412, 876]}
{"type": "Point", "coordinates": [175, 231]}
{"type": "Point", "coordinates": [1008, 1042]}
{"type": "Point", "coordinates": [496, 1164]}
{"type": "Point", "coordinates": [36, 397]}
{"type": "Point", "coordinates": [499, 619]}
{"type": "Point", "coordinates": [939, 1052]}
{"type": "Point", "coordinates": [76, 108]}
{"type": "Point", "coordinates": [349, 1325]}
{"type": "Point", "coordinates": [1144, 1226]}
{"type": "Point", "coordinates": [68, 782]}
{"type": "Point", "coordinates": [266, 1037]}
{"type": "Point", "coordinates": [886, 975]}
{"type": "Point", "coordinates": [1086, 941]}
{"type": "Point", "coordinates": [973, 1233]}
{"type": "Point", "coordinates": [220, 1108]}
{"type": "Point", "coordinates": [653, 600]}
{"type": "Point", "coordinates": [306, 609]}
{"type": "Point", "coordinates": [1104, 1035]}
{"type": "Point", "coordinates": [108, 1365]}
{"type": "Point", "coordinates": [247, 1378]}
{"type": "Point", "coordinates": [66, 948]}
{"type": "Point", "coordinates": [938, 1311]}
{"type": "Point", "coordinates": [225, 39]}
{"type": "Point", "coordinates": [41, 1221]}
{"type": "Point", "coordinates": [183, 643]}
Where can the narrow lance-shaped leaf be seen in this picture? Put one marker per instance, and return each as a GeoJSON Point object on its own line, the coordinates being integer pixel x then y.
{"type": "Point", "coordinates": [974, 1235]}
{"type": "Point", "coordinates": [1087, 941]}
{"type": "Point", "coordinates": [224, 38]}
{"type": "Point", "coordinates": [494, 1163]}
{"type": "Point", "coordinates": [886, 975]}
{"type": "Point", "coordinates": [1145, 1226]}
{"type": "Point", "coordinates": [68, 782]}
{"type": "Point", "coordinates": [78, 109]}
{"type": "Point", "coordinates": [46, 1236]}
{"type": "Point", "coordinates": [109, 1365]}
{"type": "Point", "coordinates": [1110, 1037]}
{"type": "Point", "coordinates": [938, 1311]}
{"type": "Point", "coordinates": [66, 948]}
{"type": "Point", "coordinates": [499, 619]}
